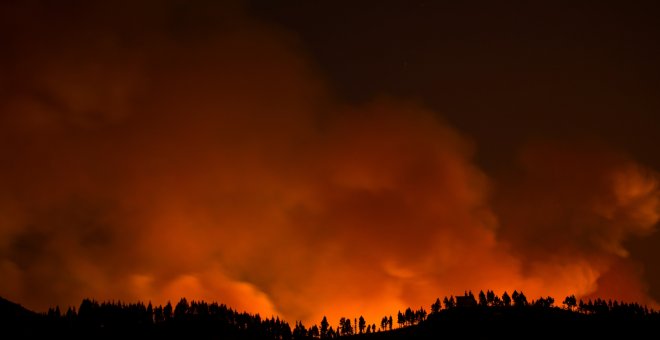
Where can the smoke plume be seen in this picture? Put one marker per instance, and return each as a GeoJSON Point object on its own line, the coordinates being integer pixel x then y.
{"type": "Point", "coordinates": [158, 151]}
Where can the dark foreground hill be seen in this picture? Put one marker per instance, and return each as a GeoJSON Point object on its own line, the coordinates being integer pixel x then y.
{"type": "Point", "coordinates": [13, 317]}
{"type": "Point", "coordinates": [526, 323]}
{"type": "Point", "coordinates": [192, 320]}
{"type": "Point", "coordinates": [12, 310]}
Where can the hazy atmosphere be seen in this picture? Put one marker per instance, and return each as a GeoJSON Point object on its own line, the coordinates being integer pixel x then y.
{"type": "Point", "coordinates": [303, 159]}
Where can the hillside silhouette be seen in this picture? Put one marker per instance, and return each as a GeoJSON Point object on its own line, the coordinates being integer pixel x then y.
{"type": "Point", "coordinates": [486, 316]}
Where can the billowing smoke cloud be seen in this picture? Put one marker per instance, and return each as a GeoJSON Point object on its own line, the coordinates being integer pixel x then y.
{"type": "Point", "coordinates": [152, 152]}
{"type": "Point", "coordinates": [570, 210]}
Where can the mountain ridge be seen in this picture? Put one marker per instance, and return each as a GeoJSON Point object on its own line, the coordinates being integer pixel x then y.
{"type": "Point", "coordinates": [110, 320]}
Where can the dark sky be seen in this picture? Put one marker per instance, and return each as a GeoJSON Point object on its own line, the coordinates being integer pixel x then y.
{"type": "Point", "coordinates": [310, 158]}
{"type": "Point", "coordinates": [506, 73]}
{"type": "Point", "coordinates": [503, 72]}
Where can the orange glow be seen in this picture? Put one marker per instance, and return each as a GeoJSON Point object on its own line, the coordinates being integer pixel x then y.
{"type": "Point", "coordinates": [226, 172]}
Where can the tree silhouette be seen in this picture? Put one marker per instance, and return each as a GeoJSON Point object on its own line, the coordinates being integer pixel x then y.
{"type": "Point", "coordinates": [362, 324]}
{"type": "Point", "coordinates": [331, 333]}
{"type": "Point", "coordinates": [549, 301]}
{"type": "Point", "coordinates": [544, 302]}
{"type": "Point", "coordinates": [110, 319]}
{"type": "Point", "coordinates": [482, 299]}
{"type": "Point", "coordinates": [299, 331]}
{"type": "Point", "coordinates": [349, 327]}
{"type": "Point", "coordinates": [158, 314]}
{"type": "Point", "coordinates": [71, 313]}
{"type": "Point", "coordinates": [324, 327]}
{"type": "Point", "coordinates": [409, 316]}
{"type": "Point", "coordinates": [435, 307]}
{"type": "Point", "coordinates": [490, 298]}
{"type": "Point", "coordinates": [383, 323]}
{"type": "Point", "coordinates": [345, 327]}
{"type": "Point", "coordinates": [570, 302]}
{"type": "Point", "coordinates": [195, 318]}
{"type": "Point", "coordinates": [519, 299]}
{"type": "Point", "coordinates": [167, 311]}
{"type": "Point", "coordinates": [150, 313]}
{"type": "Point", "coordinates": [506, 300]}
{"type": "Point", "coordinates": [449, 303]}
{"type": "Point", "coordinates": [420, 315]}
{"type": "Point", "coordinates": [581, 306]}
{"type": "Point", "coordinates": [54, 313]}
{"type": "Point", "coordinates": [181, 309]}
{"type": "Point", "coordinates": [87, 312]}
{"type": "Point", "coordinates": [314, 331]}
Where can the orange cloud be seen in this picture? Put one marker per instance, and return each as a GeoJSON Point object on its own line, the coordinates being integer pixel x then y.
{"type": "Point", "coordinates": [156, 163]}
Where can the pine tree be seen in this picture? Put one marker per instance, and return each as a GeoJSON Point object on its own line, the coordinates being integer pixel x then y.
{"type": "Point", "coordinates": [506, 300]}
{"type": "Point", "coordinates": [435, 307]}
{"type": "Point", "coordinates": [324, 327]}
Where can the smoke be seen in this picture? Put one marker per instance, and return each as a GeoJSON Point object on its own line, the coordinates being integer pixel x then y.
{"type": "Point", "coordinates": [573, 206]}
{"type": "Point", "coordinates": [158, 151]}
